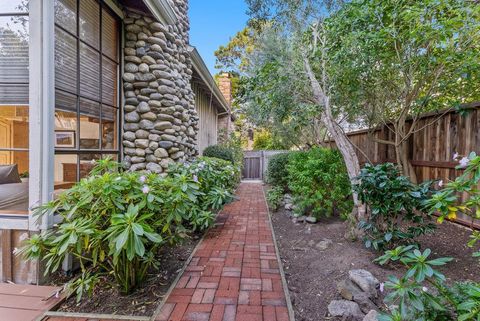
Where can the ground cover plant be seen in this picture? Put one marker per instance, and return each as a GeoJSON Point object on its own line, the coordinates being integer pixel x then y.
{"type": "Point", "coordinates": [395, 206]}
{"type": "Point", "coordinates": [114, 221]}
{"type": "Point", "coordinates": [319, 182]}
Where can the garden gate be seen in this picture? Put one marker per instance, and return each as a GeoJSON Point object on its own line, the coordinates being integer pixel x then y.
{"type": "Point", "coordinates": [252, 165]}
{"type": "Point", "coordinates": [255, 163]}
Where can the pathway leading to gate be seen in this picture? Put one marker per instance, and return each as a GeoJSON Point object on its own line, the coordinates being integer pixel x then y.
{"type": "Point", "coordinates": [234, 274]}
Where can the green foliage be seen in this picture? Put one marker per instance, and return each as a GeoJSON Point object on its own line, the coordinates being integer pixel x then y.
{"type": "Point", "coordinates": [319, 182]}
{"type": "Point", "coordinates": [411, 298]}
{"type": "Point", "coordinates": [114, 221]}
{"type": "Point", "coordinates": [265, 140]}
{"type": "Point", "coordinates": [391, 60]}
{"type": "Point", "coordinates": [394, 204]}
{"type": "Point", "coordinates": [448, 202]}
{"type": "Point", "coordinates": [219, 151]}
{"type": "Point", "coordinates": [277, 173]}
{"type": "Point", "coordinates": [274, 197]}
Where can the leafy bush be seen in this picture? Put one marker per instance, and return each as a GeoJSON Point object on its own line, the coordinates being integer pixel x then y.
{"type": "Point", "coordinates": [422, 294]}
{"type": "Point", "coordinates": [448, 202]}
{"type": "Point", "coordinates": [394, 204]}
{"type": "Point", "coordinates": [115, 221]}
{"type": "Point", "coordinates": [277, 174]}
{"type": "Point", "coordinates": [274, 197]}
{"type": "Point", "coordinates": [319, 182]}
{"type": "Point", "coordinates": [219, 151]}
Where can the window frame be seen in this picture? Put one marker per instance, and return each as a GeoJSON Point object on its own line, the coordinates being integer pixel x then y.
{"type": "Point", "coordinates": [14, 216]}
{"type": "Point", "coordinates": [103, 5]}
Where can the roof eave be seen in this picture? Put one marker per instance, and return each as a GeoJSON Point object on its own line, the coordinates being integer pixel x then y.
{"type": "Point", "coordinates": [202, 70]}
{"type": "Point", "coordinates": [162, 10]}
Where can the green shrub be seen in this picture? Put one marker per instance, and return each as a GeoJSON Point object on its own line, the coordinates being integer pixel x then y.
{"type": "Point", "coordinates": [277, 174]}
{"type": "Point", "coordinates": [114, 221]}
{"type": "Point", "coordinates": [319, 182]}
{"type": "Point", "coordinates": [219, 151]}
{"type": "Point", "coordinates": [460, 196]}
{"type": "Point", "coordinates": [423, 294]}
{"type": "Point", "coordinates": [274, 197]}
{"type": "Point", "coordinates": [395, 206]}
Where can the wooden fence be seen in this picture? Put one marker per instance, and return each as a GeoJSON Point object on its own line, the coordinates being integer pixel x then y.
{"type": "Point", "coordinates": [430, 150]}
{"type": "Point", "coordinates": [255, 163]}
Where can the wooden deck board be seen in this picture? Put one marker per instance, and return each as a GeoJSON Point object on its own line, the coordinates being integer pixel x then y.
{"type": "Point", "coordinates": [26, 302]}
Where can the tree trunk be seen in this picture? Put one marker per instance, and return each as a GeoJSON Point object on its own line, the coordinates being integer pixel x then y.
{"type": "Point", "coordinates": [401, 151]}
{"type": "Point", "coordinates": [343, 144]}
{"type": "Point", "coordinates": [349, 156]}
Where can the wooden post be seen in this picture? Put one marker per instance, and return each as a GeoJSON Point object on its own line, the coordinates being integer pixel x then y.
{"type": "Point", "coordinates": [6, 246]}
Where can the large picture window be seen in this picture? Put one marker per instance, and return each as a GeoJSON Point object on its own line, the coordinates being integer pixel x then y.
{"type": "Point", "coordinates": [87, 44]}
{"type": "Point", "coordinates": [14, 109]}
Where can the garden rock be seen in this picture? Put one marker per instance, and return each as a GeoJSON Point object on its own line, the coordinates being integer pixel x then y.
{"type": "Point", "coordinates": [289, 206]}
{"type": "Point", "coordinates": [371, 316]}
{"type": "Point", "coordinates": [299, 219]}
{"type": "Point", "coordinates": [323, 245]}
{"type": "Point", "coordinates": [349, 291]}
{"type": "Point", "coordinates": [365, 280]}
{"type": "Point", "coordinates": [346, 309]}
{"type": "Point", "coordinates": [311, 219]}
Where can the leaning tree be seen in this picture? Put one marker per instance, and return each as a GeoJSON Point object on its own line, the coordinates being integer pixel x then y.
{"type": "Point", "coordinates": [290, 73]}
{"type": "Point", "coordinates": [395, 60]}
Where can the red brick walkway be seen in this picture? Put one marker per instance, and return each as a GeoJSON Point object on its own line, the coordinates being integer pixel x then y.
{"type": "Point", "coordinates": [234, 273]}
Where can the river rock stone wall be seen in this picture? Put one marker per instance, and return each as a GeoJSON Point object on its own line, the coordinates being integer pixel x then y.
{"type": "Point", "coordinates": [160, 122]}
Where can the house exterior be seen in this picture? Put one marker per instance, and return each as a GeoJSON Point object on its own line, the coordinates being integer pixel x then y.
{"type": "Point", "coordinates": [82, 80]}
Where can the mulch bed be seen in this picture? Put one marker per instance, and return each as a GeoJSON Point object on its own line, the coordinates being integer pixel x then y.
{"type": "Point", "coordinates": [313, 273]}
{"type": "Point", "coordinates": [107, 300]}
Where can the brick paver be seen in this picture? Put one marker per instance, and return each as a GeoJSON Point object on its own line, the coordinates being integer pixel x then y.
{"type": "Point", "coordinates": [234, 273]}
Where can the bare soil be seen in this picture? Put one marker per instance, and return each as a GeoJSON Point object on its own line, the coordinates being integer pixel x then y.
{"type": "Point", "coordinates": [313, 273]}
{"type": "Point", "coordinates": [106, 298]}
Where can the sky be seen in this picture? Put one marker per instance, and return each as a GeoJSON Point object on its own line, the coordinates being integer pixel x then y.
{"type": "Point", "coordinates": [213, 23]}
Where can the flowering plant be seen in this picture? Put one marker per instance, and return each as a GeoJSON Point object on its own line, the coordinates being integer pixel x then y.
{"type": "Point", "coordinates": [461, 195]}
{"type": "Point", "coordinates": [114, 221]}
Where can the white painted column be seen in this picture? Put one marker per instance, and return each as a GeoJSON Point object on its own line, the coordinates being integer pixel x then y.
{"type": "Point", "coordinates": [42, 107]}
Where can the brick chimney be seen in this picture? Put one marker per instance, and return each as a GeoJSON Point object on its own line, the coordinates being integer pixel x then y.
{"type": "Point", "coordinates": [224, 120]}
{"type": "Point", "coordinates": [225, 86]}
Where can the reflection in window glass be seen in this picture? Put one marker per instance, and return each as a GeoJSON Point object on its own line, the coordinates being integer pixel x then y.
{"type": "Point", "coordinates": [65, 61]}
{"type": "Point", "coordinates": [14, 49]}
{"type": "Point", "coordinates": [13, 6]}
{"type": "Point", "coordinates": [90, 22]}
{"type": "Point", "coordinates": [66, 14]}
{"type": "Point", "coordinates": [89, 124]}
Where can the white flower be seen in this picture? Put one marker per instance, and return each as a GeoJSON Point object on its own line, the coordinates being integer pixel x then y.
{"type": "Point", "coordinates": [425, 289]}
{"type": "Point", "coordinates": [142, 179]}
{"type": "Point", "coordinates": [455, 156]}
{"type": "Point", "coordinates": [440, 183]}
{"type": "Point", "coordinates": [145, 189]}
{"type": "Point", "coordinates": [195, 178]}
{"type": "Point", "coordinates": [382, 287]}
{"type": "Point", "coordinates": [464, 162]}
